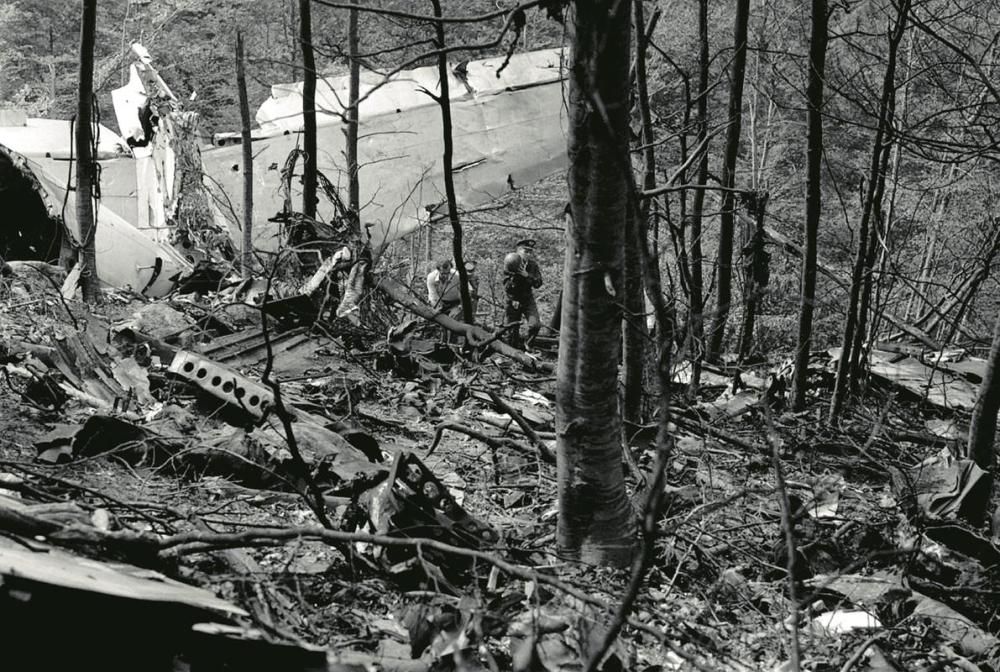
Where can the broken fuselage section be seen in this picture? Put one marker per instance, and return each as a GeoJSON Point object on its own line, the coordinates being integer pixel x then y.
{"type": "Point", "coordinates": [37, 172]}
{"type": "Point", "coordinates": [509, 125]}
{"type": "Point", "coordinates": [150, 230]}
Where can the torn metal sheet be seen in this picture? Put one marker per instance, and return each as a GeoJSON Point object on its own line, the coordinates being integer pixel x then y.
{"type": "Point", "coordinates": [867, 591]}
{"type": "Point", "coordinates": [223, 383]}
{"type": "Point", "coordinates": [126, 257]}
{"type": "Point", "coordinates": [52, 138]}
{"type": "Point", "coordinates": [510, 131]}
{"type": "Point", "coordinates": [943, 487]}
{"type": "Point", "coordinates": [57, 568]}
{"type": "Point", "coordinates": [941, 388]}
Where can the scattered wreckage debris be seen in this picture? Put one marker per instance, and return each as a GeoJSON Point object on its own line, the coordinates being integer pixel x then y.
{"type": "Point", "coordinates": [156, 620]}
{"type": "Point", "coordinates": [887, 593]}
{"type": "Point", "coordinates": [942, 488]}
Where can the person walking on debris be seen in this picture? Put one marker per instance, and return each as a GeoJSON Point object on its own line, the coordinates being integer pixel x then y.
{"type": "Point", "coordinates": [521, 277]}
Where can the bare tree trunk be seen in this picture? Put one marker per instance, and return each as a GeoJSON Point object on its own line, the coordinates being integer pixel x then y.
{"type": "Point", "coordinates": [86, 172]}
{"type": "Point", "coordinates": [52, 71]}
{"type": "Point", "coordinates": [294, 48]}
{"type": "Point", "coordinates": [309, 168]}
{"type": "Point", "coordinates": [930, 249]}
{"type": "Point", "coordinates": [861, 274]}
{"type": "Point", "coordinates": [696, 319]}
{"type": "Point", "coordinates": [814, 160]}
{"type": "Point", "coordinates": [677, 234]}
{"type": "Point", "coordinates": [596, 523]}
{"type": "Point", "coordinates": [886, 290]}
{"type": "Point", "coordinates": [727, 218]}
{"type": "Point", "coordinates": [859, 353]}
{"type": "Point", "coordinates": [241, 85]}
{"type": "Point", "coordinates": [354, 186]}
{"type": "Point", "coordinates": [634, 323]}
{"type": "Point", "coordinates": [857, 350]}
{"type": "Point", "coordinates": [983, 426]}
{"type": "Point", "coordinates": [757, 275]}
{"type": "Point", "coordinates": [635, 305]}
{"type": "Point", "coordinates": [444, 101]}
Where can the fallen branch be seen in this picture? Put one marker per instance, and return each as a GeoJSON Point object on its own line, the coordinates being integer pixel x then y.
{"type": "Point", "coordinates": [511, 426]}
{"type": "Point", "coordinates": [221, 485]}
{"type": "Point", "coordinates": [787, 527]}
{"type": "Point", "coordinates": [491, 441]}
{"type": "Point", "coordinates": [529, 431]}
{"type": "Point", "coordinates": [475, 335]}
{"type": "Point", "coordinates": [703, 429]}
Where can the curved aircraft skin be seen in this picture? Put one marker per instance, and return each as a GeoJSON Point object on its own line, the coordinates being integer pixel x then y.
{"type": "Point", "coordinates": [127, 254]}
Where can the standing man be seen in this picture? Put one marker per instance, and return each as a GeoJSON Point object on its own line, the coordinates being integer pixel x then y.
{"type": "Point", "coordinates": [470, 273]}
{"type": "Point", "coordinates": [521, 277]}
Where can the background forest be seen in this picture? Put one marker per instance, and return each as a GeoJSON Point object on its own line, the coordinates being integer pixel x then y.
{"type": "Point", "coordinates": [936, 229]}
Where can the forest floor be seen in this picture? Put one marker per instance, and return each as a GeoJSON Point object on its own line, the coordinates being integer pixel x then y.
{"type": "Point", "coordinates": [109, 455]}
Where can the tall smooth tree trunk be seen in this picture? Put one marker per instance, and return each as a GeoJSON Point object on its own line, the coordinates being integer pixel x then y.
{"type": "Point", "coordinates": [86, 173]}
{"type": "Point", "coordinates": [353, 94]}
{"type": "Point", "coordinates": [727, 219]}
{"type": "Point", "coordinates": [983, 426]}
{"type": "Point", "coordinates": [444, 100]}
{"type": "Point", "coordinates": [310, 167]}
{"type": "Point", "coordinates": [246, 265]}
{"type": "Point", "coordinates": [696, 319]}
{"type": "Point", "coordinates": [861, 275]}
{"type": "Point", "coordinates": [814, 160]}
{"type": "Point", "coordinates": [596, 523]}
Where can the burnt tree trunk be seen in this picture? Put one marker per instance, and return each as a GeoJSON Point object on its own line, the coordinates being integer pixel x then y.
{"type": "Point", "coordinates": [814, 160]}
{"type": "Point", "coordinates": [727, 219]}
{"type": "Point", "coordinates": [696, 318]}
{"type": "Point", "coordinates": [444, 101]}
{"type": "Point", "coordinates": [596, 522]}
{"type": "Point", "coordinates": [758, 273]}
{"type": "Point", "coordinates": [86, 162]}
{"type": "Point", "coordinates": [353, 183]}
{"type": "Point", "coordinates": [310, 167]}
{"type": "Point", "coordinates": [246, 265]}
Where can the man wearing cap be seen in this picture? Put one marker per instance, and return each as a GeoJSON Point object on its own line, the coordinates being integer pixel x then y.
{"type": "Point", "coordinates": [470, 273]}
{"type": "Point", "coordinates": [521, 277]}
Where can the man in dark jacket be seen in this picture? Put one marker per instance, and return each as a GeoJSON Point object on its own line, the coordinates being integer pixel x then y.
{"type": "Point", "coordinates": [521, 277]}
